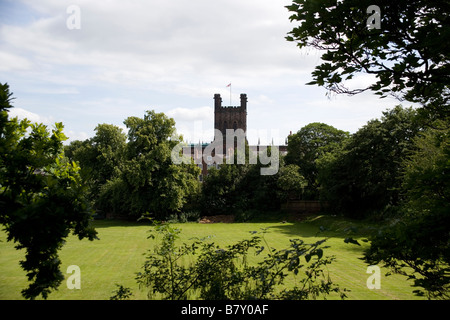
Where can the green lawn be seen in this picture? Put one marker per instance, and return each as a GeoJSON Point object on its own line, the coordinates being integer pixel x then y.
{"type": "Point", "coordinates": [118, 255]}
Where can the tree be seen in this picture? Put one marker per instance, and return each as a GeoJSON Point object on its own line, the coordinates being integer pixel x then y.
{"type": "Point", "coordinates": [420, 240]}
{"type": "Point", "coordinates": [42, 197]}
{"type": "Point", "coordinates": [109, 145]}
{"type": "Point", "coordinates": [259, 192]}
{"type": "Point", "coordinates": [148, 180]}
{"type": "Point", "coordinates": [291, 182]}
{"type": "Point", "coordinates": [408, 55]}
{"type": "Point", "coordinates": [220, 190]}
{"type": "Point", "coordinates": [307, 145]}
{"type": "Point", "coordinates": [240, 189]}
{"type": "Point", "coordinates": [364, 175]}
{"type": "Point", "coordinates": [100, 157]}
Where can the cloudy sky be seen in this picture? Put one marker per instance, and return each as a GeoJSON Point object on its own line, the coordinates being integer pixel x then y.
{"type": "Point", "coordinates": [170, 56]}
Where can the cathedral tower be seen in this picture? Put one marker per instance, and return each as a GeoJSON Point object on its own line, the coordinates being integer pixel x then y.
{"type": "Point", "coordinates": [230, 117]}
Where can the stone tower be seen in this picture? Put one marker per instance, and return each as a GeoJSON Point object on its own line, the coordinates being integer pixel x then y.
{"type": "Point", "coordinates": [230, 117]}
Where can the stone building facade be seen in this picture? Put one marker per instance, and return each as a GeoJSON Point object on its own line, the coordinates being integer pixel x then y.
{"type": "Point", "coordinates": [230, 117]}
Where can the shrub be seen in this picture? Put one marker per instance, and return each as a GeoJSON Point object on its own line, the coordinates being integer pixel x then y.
{"type": "Point", "coordinates": [205, 270]}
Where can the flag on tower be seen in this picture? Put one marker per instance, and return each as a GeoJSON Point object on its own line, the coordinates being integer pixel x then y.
{"type": "Point", "coordinates": [229, 85]}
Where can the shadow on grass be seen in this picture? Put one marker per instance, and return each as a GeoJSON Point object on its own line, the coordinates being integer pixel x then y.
{"type": "Point", "coordinates": [326, 226]}
{"type": "Point", "coordinates": [297, 229]}
{"type": "Point", "coordinates": [313, 226]}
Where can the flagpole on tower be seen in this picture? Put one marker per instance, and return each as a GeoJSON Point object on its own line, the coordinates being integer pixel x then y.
{"type": "Point", "coordinates": [229, 85]}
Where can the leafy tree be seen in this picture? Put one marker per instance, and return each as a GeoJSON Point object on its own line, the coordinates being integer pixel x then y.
{"type": "Point", "coordinates": [408, 55]}
{"type": "Point", "coordinates": [220, 190]}
{"type": "Point", "coordinates": [363, 176]}
{"type": "Point", "coordinates": [108, 143]}
{"type": "Point", "coordinates": [307, 145]}
{"type": "Point", "coordinates": [291, 182]}
{"type": "Point", "coordinates": [240, 189]}
{"type": "Point", "coordinates": [100, 157]}
{"type": "Point", "coordinates": [42, 197]}
{"type": "Point", "coordinates": [420, 240]}
{"type": "Point", "coordinates": [259, 192]}
{"type": "Point", "coordinates": [148, 180]}
{"type": "Point", "coordinates": [426, 171]}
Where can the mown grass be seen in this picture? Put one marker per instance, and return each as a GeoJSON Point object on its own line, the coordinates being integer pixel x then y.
{"type": "Point", "coordinates": [119, 254]}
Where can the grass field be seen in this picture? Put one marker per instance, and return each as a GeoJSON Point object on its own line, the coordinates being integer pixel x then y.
{"type": "Point", "coordinates": [119, 254]}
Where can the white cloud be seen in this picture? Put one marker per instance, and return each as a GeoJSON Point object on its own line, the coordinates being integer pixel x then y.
{"type": "Point", "coordinates": [72, 136]}
{"type": "Point", "coordinates": [190, 115]}
{"type": "Point", "coordinates": [54, 90]}
{"type": "Point", "coordinates": [172, 42]}
{"type": "Point", "coordinates": [194, 124]}
{"type": "Point", "coordinates": [33, 117]}
{"type": "Point", "coordinates": [13, 62]}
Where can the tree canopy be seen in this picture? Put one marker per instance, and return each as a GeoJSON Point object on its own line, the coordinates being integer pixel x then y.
{"type": "Point", "coordinates": [363, 175]}
{"type": "Point", "coordinates": [309, 144]}
{"type": "Point", "coordinates": [42, 196]}
{"type": "Point", "coordinates": [137, 175]}
{"type": "Point", "coordinates": [100, 157]}
{"type": "Point", "coordinates": [408, 55]}
{"type": "Point", "coordinates": [421, 241]}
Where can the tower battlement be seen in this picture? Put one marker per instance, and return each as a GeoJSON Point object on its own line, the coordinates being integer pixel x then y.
{"type": "Point", "coordinates": [230, 117]}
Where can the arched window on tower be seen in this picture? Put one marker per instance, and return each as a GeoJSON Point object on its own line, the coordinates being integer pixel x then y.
{"type": "Point", "coordinates": [235, 126]}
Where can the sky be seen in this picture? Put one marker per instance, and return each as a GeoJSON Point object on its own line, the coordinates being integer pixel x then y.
{"type": "Point", "coordinates": [84, 63]}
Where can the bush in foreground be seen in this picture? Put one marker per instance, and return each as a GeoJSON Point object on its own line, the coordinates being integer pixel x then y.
{"type": "Point", "coordinates": [201, 269]}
